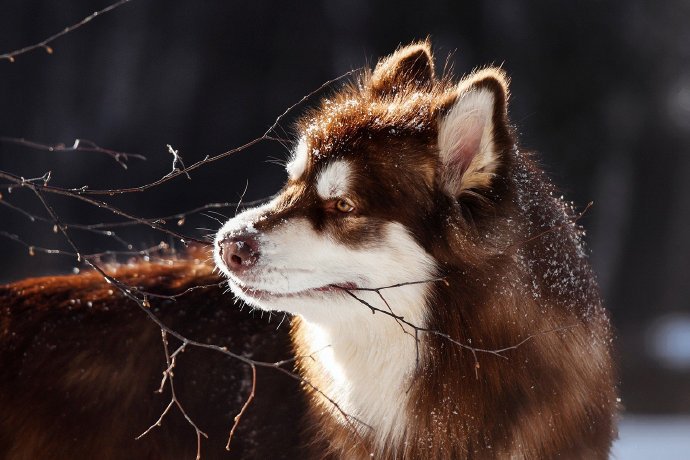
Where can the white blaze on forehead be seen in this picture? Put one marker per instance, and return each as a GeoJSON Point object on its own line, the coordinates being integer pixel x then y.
{"type": "Point", "coordinates": [334, 179]}
{"type": "Point", "coordinates": [298, 162]}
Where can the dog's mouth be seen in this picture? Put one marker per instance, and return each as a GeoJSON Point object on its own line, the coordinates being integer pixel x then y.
{"type": "Point", "coordinates": [260, 294]}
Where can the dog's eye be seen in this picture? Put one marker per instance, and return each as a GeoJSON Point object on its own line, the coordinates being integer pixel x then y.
{"type": "Point", "coordinates": [344, 205]}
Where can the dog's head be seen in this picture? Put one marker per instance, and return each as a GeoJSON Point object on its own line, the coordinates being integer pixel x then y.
{"type": "Point", "coordinates": [378, 167]}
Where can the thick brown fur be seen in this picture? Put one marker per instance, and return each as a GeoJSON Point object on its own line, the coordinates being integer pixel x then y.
{"type": "Point", "coordinates": [516, 270]}
{"type": "Point", "coordinates": [80, 366]}
{"type": "Point", "coordinates": [80, 362]}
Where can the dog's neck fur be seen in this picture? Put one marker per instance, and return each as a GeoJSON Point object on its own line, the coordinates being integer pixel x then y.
{"type": "Point", "coordinates": [365, 364]}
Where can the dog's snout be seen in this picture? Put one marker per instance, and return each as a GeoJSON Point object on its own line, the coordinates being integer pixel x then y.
{"type": "Point", "coordinates": [238, 253]}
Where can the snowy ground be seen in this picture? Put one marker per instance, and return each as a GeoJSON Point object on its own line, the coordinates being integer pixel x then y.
{"type": "Point", "coordinates": [653, 437]}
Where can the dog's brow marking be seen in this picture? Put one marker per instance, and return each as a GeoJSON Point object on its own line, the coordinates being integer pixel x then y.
{"type": "Point", "coordinates": [298, 163]}
{"type": "Point", "coordinates": [334, 179]}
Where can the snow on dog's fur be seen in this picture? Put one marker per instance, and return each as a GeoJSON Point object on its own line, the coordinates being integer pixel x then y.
{"type": "Point", "coordinates": [404, 177]}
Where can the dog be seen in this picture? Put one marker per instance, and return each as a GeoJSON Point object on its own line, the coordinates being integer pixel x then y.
{"type": "Point", "coordinates": [414, 237]}
{"type": "Point", "coordinates": [440, 298]}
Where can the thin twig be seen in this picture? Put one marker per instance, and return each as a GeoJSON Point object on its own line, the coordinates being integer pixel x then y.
{"type": "Point", "coordinates": [44, 188]}
{"type": "Point", "coordinates": [474, 350]}
{"type": "Point", "coordinates": [177, 160]}
{"type": "Point", "coordinates": [267, 136]}
{"type": "Point", "coordinates": [168, 377]}
{"type": "Point", "coordinates": [33, 249]}
{"type": "Point", "coordinates": [80, 145]}
{"type": "Point", "coordinates": [87, 228]}
{"type": "Point", "coordinates": [11, 55]}
{"type": "Point", "coordinates": [246, 404]}
{"type": "Point", "coordinates": [180, 218]}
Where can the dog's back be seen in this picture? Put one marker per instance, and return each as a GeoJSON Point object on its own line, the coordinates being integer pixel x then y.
{"type": "Point", "coordinates": [81, 364]}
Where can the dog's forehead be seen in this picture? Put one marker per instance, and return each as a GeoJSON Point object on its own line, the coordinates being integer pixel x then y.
{"type": "Point", "coordinates": [343, 127]}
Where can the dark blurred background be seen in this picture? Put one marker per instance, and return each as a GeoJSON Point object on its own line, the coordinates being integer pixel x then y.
{"type": "Point", "coordinates": [600, 89]}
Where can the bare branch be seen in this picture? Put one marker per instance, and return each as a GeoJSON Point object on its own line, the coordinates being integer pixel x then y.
{"type": "Point", "coordinates": [417, 329]}
{"type": "Point", "coordinates": [33, 249]}
{"type": "Point", "coordinates": [11, 55]}
{"type": "Point", "coordinates": [179, 219]}
{"type": "Point", "coordinates": [87, 228]}
{"type": "Point", "coordinates": [80, 145]}
{"type": "Point", "coordinates": [267, 136]}
{"type": "Point", "coordinates": [36, 188]}
{"type": "Point", "coordinates": [171, 361]}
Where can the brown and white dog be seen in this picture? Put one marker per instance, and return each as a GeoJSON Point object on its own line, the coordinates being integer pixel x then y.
{"type": "Point", "coordinates": [405, 177]}
{"type": "Point", "coordinates": [402, 178]}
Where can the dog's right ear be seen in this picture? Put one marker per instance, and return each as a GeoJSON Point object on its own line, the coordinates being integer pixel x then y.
{"type": "Point", "coordinates": [411, 65]}
{"type": "Point", "coordinates": [473, 132]}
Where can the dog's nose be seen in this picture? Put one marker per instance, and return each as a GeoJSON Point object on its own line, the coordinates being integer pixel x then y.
{"type": "Point", "coordinates": [238, 253]}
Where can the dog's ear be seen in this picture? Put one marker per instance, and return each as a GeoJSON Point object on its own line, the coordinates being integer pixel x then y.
{"type": "Point", "coordinates": [473, 132]}
{"type": "Point", "coordinates": [410, 66]}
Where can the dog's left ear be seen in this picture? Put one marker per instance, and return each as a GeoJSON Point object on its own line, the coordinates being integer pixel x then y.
{"type": "Point", "coordinates": [473, 132]}
{"type": "Point", "coordinates": [411, 65]}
